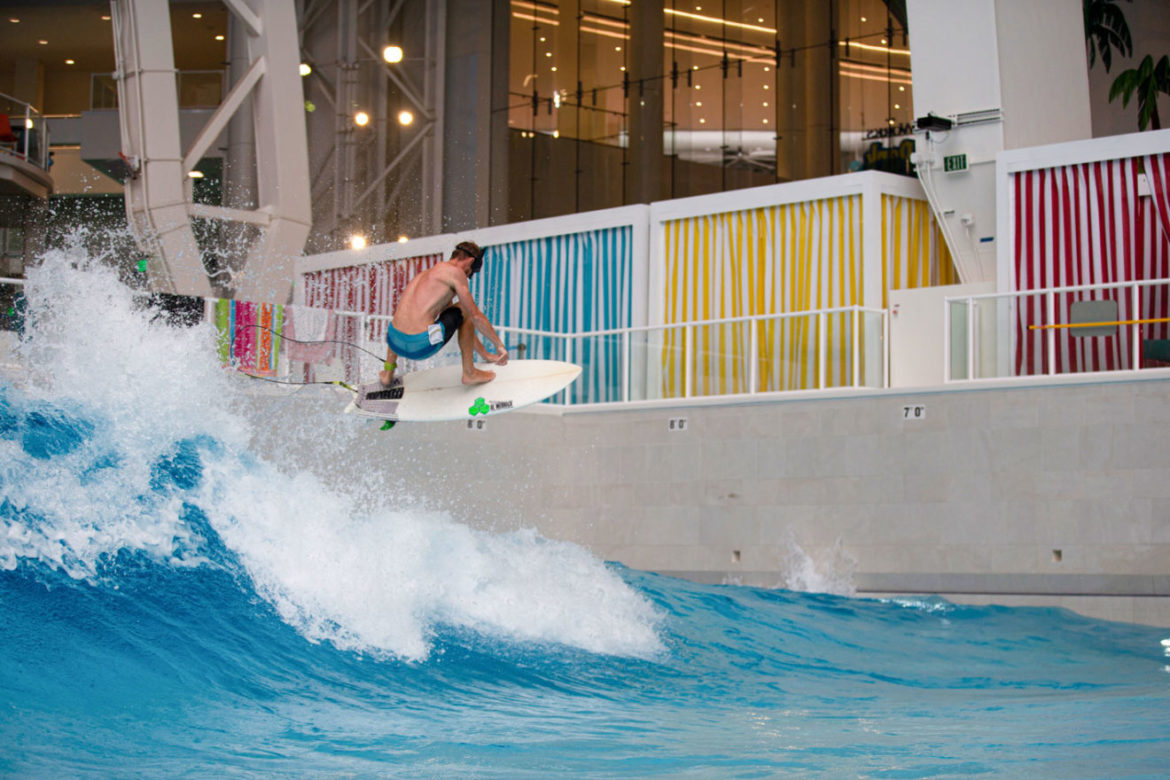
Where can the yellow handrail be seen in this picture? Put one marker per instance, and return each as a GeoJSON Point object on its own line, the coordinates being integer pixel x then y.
{"type": "Point", "coordinates": [1098, 324]}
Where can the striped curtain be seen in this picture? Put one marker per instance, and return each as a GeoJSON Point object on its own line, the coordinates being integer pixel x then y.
{"type": "Point", "coordinates": [1075, 225]}
{"type": "Point", "coordinates": [564, 284]}
{"type": "Point", "coordinates": [914, 253]}
{"type": "Point", "coordinates": [368, 289]}
{"type": "Point", "coordinates": [770, 260]}
{"type": "Point", "coordinates": [249, 334]}
{"type": "Point", "coordinates": [1155, 238]}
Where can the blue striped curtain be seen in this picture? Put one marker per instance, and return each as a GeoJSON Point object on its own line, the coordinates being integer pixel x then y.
{"type": "Point", "coordinates": [564, 284]}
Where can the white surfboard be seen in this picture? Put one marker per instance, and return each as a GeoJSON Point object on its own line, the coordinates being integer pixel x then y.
{"type": "Point", "coordinates": [439, 394]}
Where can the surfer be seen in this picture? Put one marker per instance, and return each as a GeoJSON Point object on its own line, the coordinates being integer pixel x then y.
{"type": "Point", "coordinates": [434, 306]}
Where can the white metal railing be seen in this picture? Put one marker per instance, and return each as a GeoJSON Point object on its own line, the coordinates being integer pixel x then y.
{"type": "Point", "coordinates": [30, 133]}
{"type": "Point", "coordinates": [975, 331]}
{"type": "Point", "coordinates": [864, 356]}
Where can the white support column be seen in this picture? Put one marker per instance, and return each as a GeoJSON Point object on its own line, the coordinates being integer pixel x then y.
{"type": "Point", "coordinates": [282, 158]}
{"type": "Point", "coordinates": [156, 201]}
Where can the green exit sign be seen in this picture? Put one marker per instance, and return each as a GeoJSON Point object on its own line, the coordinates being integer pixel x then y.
{"type": "Point", "coordinates": [954, 162]}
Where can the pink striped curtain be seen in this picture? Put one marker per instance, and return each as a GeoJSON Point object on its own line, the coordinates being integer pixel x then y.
{"type": "Point", "coordinates": [1075, 225]}
{"type": "Point", "coordinates": [370, 289]}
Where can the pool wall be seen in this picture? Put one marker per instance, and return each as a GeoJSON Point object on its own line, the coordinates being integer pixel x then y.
{"type": "Point", "coordinates": [1041, 495]}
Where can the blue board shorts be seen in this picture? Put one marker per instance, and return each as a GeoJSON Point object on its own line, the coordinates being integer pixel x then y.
{"type": "Point", "coordinates": [420, 346]}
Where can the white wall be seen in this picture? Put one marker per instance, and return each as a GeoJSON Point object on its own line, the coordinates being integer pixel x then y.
{"type": "Point", "coordinates": [918, 333]}
{"type": "Point", "coordinates": [1044, 71]}
{"type": "Point", "coordinates": [1023, 58]}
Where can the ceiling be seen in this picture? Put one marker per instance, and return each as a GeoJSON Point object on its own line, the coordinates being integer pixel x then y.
{"type": "Point", "coordinates": [54, 31]}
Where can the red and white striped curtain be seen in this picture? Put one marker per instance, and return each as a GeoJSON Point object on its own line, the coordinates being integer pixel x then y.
{"type": "Point", "coordinates": [369, 289]}
{"type": "Point", "coordinates": [1076, 225]}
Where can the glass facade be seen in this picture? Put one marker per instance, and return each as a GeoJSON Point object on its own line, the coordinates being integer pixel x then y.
{"type": "Point", "coordinates": [746, 93]}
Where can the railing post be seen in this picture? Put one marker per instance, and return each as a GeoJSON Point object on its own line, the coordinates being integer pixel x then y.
{"type": "Point", "coordinates": [1051, 307]}
{"type": "Point", "coordinates": [572, 354]}
{"type": "Point", "coordinates": [688, 360]}
{"type": "Point", "coordinates": [1136, 349]}
{"type": "Point", "coordinates": [970, 338]}
{"type": "Point", "coordinates": [822, 350]}
{"type": "Point", "coordinates": [626, 365]}
{"type": "Point", "coordinates": [856, 345]}
{"type": "Point", "coordinates": [753, 355]}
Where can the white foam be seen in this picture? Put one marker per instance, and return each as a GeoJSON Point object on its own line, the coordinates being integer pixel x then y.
{"type": "Point", "coordinates": [335, 565]}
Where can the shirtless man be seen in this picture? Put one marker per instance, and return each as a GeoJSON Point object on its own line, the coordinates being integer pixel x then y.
{"type": "Point", "coordinates": [426, 318]}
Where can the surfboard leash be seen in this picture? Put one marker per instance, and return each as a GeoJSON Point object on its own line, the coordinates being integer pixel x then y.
{"type": "Point", "coordinates": [349, 344]}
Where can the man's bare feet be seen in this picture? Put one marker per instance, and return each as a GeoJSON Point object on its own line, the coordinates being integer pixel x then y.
{"type": "Point", "coordinates": [477, 377]}
{"type": "Point", "coordinates": [386, 378]}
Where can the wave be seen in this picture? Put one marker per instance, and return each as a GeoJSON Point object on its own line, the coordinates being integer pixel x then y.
{"type": "Point", "coordinates": [127, 438]}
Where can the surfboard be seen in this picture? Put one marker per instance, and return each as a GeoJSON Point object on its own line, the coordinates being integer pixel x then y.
{"type": "Point", "coordinates": [438, 394]}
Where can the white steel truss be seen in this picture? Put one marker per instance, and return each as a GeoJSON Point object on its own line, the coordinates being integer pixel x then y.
{"type": "Point", "coordinates": [158, 191]}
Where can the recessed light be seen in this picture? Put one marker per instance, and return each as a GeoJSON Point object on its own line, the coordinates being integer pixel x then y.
{"type": "Point", "coordinates": [702, 121]}
{"type": "Point", "coordinates": [403, 239]}
{"type": "Point", "coordinates": [405, 117]}
{"type": "Point", "coordinates": [553, 68]}
{"type": "Point", "coordinates": [357, 241]}
{"type": "Point", "coordinates": [105, 17]}
{"type": "Point", "coordinates": [196, 16]}
{"type": "Point", "coordinates": [864, 19]}
{"type": "Point", "coordinates": [14, 20]}
{"type": "Point", "coordinates": [897, 106]}
{"type": "Point", "coordinates": [219, 37]}
{"type": "Point", "coordinates": [765, 86]}
{"type": "Point", "coordinates": [361, 119]}
{"type": "Point", "coordinates": [68, 62]}
{"type": "Point", "coordinates": [43, 42]}
{"type": "Point", "coordinates": [393, 54]}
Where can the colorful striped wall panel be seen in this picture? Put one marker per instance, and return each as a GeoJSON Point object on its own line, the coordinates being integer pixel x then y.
{"type": "Point", "coordinates": [1078, 225]}
{"type": "Point", "coordinates": [570, 283]}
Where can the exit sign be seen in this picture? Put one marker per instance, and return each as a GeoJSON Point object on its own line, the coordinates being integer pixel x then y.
{"type": "Point", "coordinates": [954, 162]}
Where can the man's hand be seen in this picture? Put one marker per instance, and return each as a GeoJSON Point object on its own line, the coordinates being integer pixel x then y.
{"type": "Point", "coordinates": [499, 358]}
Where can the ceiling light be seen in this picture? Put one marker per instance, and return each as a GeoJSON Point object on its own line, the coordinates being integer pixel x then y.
{"type": "Point", "coordinates": [219, 37]}
{"type": "Point", "coordinates": [864, 19]}
{"type": "Point", "coordinates": [361, 119]}
{"type": "Point", "coordinates": [305, 69]}
{"type": "Point", "coordinates": [105, 18]}
{"type": "Point", "coordinates": [403, 239]}
{"type": "Point", "coordinates": [196, 16]}
{"type": "Point", "coordinates": [68, 62]}
{"type": "Point", "coordinates": [357, 241]}
{"type": "Point", "coordinates": [392, 54]}
{"type": "Point", "coordinates": [43, 42]}
{"type": "Point", "coordinates": [14, 20]}
{"type": "Point", "coordinates": [195, 174]}
{"type": "Point", "coordinates": [405, 117]}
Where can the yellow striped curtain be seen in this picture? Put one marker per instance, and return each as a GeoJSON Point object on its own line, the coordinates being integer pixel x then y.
{"type": "Point", "coordinates": [791, 258]}
{"type": "Point", "coordinates": [914, 253]}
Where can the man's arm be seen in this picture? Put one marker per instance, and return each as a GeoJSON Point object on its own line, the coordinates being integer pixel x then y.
{"type": "Point", "coordinates": [471, 313]}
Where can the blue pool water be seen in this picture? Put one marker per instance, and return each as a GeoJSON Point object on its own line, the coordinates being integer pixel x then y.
{"type": "Point", "coordinates": [172, 604]}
